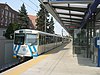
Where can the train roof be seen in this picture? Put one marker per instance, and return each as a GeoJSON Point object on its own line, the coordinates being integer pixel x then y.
{"type": "Point", "coordinates": [35, 32]}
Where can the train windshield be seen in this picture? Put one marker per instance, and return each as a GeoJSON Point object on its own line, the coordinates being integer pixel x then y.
{"type": "Point", "coordinates": [19, 39]}
{"type": "Point", "coordinates": [31, 39]}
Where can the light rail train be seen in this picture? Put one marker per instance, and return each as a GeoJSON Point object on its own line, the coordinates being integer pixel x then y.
{"type": "Point", "coordinates": [31, 43]}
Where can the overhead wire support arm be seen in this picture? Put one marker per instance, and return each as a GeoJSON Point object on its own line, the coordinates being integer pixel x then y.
{"type": "Point", "coordinates": [34, 3]}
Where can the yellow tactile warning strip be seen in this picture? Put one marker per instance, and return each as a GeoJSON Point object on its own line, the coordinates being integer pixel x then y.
{"type": "Point", "coordinates": [25, 66]}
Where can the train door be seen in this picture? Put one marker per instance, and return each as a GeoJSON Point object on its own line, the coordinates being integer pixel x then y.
{"type": "Point", "coordinates": [41, 44]}
{"type": "Point", "coordinates": [54, 41]}
{"type": "Point", "coordinates": [47, 39]}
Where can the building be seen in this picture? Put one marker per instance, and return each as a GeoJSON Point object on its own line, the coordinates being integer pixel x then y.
{"type": "Point", "coordinates": [7, 16]}
{"type": "Point", "coordinates": [32, 20]}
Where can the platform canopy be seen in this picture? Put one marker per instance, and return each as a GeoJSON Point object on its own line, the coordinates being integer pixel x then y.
{"type": "Point", "coordinates": [69, 13]}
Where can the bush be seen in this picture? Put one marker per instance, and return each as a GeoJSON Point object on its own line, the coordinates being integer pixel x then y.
{"type": "Point", "coordinates": [10, 30]}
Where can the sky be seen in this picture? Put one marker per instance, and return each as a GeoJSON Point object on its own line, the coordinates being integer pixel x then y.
{"type": "Point", "coordinates": [32, 7]}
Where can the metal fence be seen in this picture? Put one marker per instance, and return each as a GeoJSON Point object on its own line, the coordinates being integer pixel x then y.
{"type": "Point", "coordinates": [79, 50]}
{"type": "Point", "coordinates": [6, 52]}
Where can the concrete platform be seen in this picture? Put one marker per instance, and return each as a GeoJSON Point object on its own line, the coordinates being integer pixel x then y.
{"type": "Point", "coordinates": [59, 61]}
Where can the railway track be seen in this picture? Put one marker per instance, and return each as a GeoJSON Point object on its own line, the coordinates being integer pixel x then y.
{"type": "Point", "coordinates": [13, 64]}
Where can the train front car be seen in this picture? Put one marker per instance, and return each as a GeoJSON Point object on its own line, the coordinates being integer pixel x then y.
{"type": "Point", "coordinates": [25, 43]}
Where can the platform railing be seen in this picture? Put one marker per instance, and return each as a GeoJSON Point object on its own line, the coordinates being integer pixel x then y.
{"type": "Point", "coordinates": [79, 50]}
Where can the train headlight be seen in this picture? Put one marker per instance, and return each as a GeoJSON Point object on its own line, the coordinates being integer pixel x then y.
{"type": "Point", "coordinates": [33, 52]}
{"type": "Point", "coordinates": [14, 56]}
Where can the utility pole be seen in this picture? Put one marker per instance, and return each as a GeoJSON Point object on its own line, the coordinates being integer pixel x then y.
{"type": "Point", "coordinates": [45, 19]}
{"type": "Point", "coordinates": [62, 32]}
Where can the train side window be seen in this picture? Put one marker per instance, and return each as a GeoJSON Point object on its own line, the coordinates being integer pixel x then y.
{"type": "Point", "coordinates": [50, 39]}
{"type": "Point", "coordinates": [47, 39]}
{"type": "Point", "coordinates": [41, 39]}
{"type": "Point", "coordinates": [57, 39]}
{"type": "Point", "coordinates": [54, 39]}
{"type": "Point", "coordinates": [31, 39]}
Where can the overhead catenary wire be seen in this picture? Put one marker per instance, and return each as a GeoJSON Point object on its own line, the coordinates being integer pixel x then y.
{"type": "Point", "coordinates": [13, 2]}
{"type": "Point", "coordinates": [33, 3]}
{"type": "Point", "coordinates": [29, 6]}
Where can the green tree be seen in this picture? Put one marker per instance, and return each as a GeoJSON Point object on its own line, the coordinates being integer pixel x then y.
{"type": "Point", "coordinates": [41, 16]}
{"type": "Point", "coordinates": [23, 17]}
{"type": "Point", "coordinates": [10, 30]}
{"type": "Point", "coordinates": [47, 26]}
{"type": "Point", "coordinates": [51, 27]}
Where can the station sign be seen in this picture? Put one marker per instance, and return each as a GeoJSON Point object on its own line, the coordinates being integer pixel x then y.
{"type": "Point", "coordinates": [97, 42]}
{"type": "Point", "coordinates": [97, 45]}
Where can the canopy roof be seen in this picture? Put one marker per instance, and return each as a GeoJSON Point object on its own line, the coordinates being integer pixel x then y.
{"type": "Point", "coordinates": [70, 13]}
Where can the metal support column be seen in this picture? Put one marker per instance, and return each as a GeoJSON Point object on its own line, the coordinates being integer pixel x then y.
{"type": "Point", "coordinates": [94, 19]}
{"type": "Point", "coordinates": [87, 39]}
{"type": "Point", "coordinates": [90, 29]}
{"type": "Point", "coordinates": [45, 20]}
{"type": "Point", "coordinates": [94, 31]}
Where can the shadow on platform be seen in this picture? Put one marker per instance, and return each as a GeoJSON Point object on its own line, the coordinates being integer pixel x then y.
{"type": "Point", "coordinates": [57, 49]}
{"type": "Point", "coordinates": [83, 61]}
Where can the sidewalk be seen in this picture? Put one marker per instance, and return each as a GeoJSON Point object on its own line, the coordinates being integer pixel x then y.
{"type": "Point", "coordinates": [62, 62]}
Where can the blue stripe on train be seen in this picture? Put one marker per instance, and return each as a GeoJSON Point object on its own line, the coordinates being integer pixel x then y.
{"type": "Point", "coordinates": [30, 50]}
{"type": "Point", "coordinates": [34, 48]}
{"type": "Point", "coordinates": [35, 51]}
{"type": "Point", "coordinates": [34, 55]}
{"type": "Point", "coordinates": [15, 47]}
{"type": "Point", "coordinates": [15, 54]}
